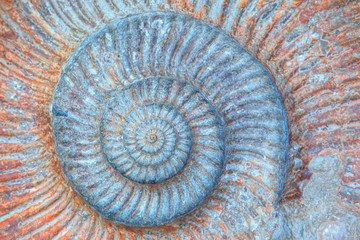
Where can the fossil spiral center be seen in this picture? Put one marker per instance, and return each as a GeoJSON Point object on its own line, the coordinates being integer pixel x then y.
{"type": "Point", "coordinates": [151, 138]}
{"type": "Point", "coordinates": [155, 139]}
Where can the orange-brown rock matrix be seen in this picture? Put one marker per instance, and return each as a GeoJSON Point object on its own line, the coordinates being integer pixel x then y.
{"type": "Point", "coordinates": [273, 152]}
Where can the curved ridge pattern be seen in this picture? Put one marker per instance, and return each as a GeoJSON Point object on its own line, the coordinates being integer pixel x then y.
{"type": "Point", "coordinates": [151, 145]}
{"type": "Point", "coordinates": [311, 50]}
{"type": "Point", "coordinates": [216, 90]}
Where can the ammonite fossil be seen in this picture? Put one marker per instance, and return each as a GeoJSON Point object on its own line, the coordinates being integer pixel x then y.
{"type": "Point", "coordinates": [179, 120]}
{"type": "Point", "coordinates": [163, 141]}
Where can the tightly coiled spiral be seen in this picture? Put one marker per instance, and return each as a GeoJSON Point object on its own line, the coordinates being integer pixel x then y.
{"type": "Point", "coordinates": [152, 142]}
{"type": "Point", "coordinates": [311, 49]}
{"type": "Point", "coordinates": [145, 147]}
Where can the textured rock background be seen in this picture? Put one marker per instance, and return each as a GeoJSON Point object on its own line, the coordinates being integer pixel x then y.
{"type": "Point", "coordinates": [311, 49]}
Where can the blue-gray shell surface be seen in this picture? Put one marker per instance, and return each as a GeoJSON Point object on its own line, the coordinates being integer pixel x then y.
{"type": "Point", "coordinates": [179, 119]}
{"type": "Point", "coordinates": [154, 111]}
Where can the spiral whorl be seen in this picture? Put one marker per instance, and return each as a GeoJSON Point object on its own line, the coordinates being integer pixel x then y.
{"type": "Point", "coordinates": [147, 137]}
{"type": "Point", "coordinates": [152, 111]}
{"type": "Point", "coordinates": [125, 119]}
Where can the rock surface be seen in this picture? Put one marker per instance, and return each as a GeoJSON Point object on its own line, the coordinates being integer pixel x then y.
{"type": "Point", "coordinates": [310, 50]}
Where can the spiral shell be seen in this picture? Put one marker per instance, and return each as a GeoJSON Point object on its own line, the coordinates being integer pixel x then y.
{"type": "Point", "coordinates": [124, 119]}
{"type": "Point", "coordinates": [129, 139]}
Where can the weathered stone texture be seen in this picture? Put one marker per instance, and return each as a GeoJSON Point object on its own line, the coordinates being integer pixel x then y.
{"type": "Point", "coordinates": [311, 50]}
